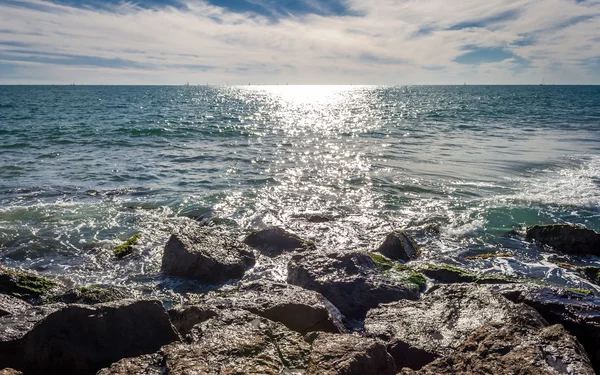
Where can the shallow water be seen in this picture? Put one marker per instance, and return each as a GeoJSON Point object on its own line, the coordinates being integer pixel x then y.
{"type": "Point", "coordinates": [82, 168]}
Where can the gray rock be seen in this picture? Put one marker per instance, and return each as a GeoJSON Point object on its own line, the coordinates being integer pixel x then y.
{"type": "Point", "coordinates": [352, 281]}
{"type": "Point", "coordinates": [570, 239]}
{"type": "Point", "coordinates": [90, 295]}
{"type": "Point", "coordinates": [333, 354]}
{"type": "Point", "coordinates": [499, 349]}
{"type": "Point", "coordinates": [81, 339]}
{"type": "Point", "coordinates": [399, 245]}
{"type": "Point", "coordinates": [24, 284]}
{"type": "Point", "coordinates": [232, 342]}
{"type": "Point", "coordinates": [11, 305]}
{"type": "Point", "coordinates": [417, 332]}
{"type": "Point", "coordinates": [298, 309]}
{"type": "Point", "coordinates": [205, 255]}
{"type": "Point", "coordinates": [275, 241]}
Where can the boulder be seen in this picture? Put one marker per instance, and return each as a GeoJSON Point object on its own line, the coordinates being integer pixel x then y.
{"type": "Point", "coordinates": [90, 295]}
{"type": "Point", "coordinates": [417, 332]}
{"type": "Point", "coordinates": [353, 281]}
{"type": "Point", "coordinates": [399, 245]}
{"type": "Point", "coordinates": [11, 305]}
{"type": "Point", "coordinates": [80, 339]}
{"type": "Point", "coordinates": [570, 239]}
{"type": "Point", "coordinates": [10, 371]}
{"type": "Point", "coordinates": [298, 309]}
{"type": "Point", "coordinates": [24, 284]}
{"type": "Point", "coordinates": [334, 354]}
{"type": "Point", "coordinates": [275, 241]}
{"type": "Point", "coordinates": [205, 255]}
{"type": "Point", "coordinates": [499, 349]}
{"type": "Point", "coordinates": [578, 313]}
{"type": "Point", "coordinates": [231, 342]}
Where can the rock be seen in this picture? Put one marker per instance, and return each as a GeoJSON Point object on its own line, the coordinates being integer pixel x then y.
{"type": "Point", "coordinates": [591, 273]}
{"type": "Point", "coordinates": [570, 239]}
{"type": "Point", "coordinates": [81, 339]}
{"type": "Point", "coordinates": [398, 245]}
{"type": "Point", "coordinates": [24, 284]}
{"type": "Point", "coordinates": [333, 354]}
{"type": "Point", "coordinates": [275, 241]}
{"type": "Point", "coordinates": [417, 332]}
{"type": "Point", "coordinates": [499, 349]}
{"type": "Point", "coordinates": [298, 309]}
{"type": "Point", "coordinates": [10, 371]}
{"type": "Point", "coordinates": [232, 342]}
{"type": "Point", "coordinates": [14, 328]}
{"type": "Point", "coordinates": [578, 313]}
{"type": "Point", "coordinates": [11, 305]}
{"type": "Point", "coordinates": [127, 248]}
{"type": "Point", "coordinates": [205, 255]}
{"type": "Point", "coordinates": [353, 281]}
{"type": "Point", "coordinates": [318, 218]}
{"type": "Point", "coordinates": [446, 274]}
{"type": "Point", "coordinates": [90, 295]}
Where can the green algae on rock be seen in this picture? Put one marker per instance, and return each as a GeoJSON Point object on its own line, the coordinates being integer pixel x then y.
{"type": "Point", "coordinates": [24, 284]}
{"type": "Point", "coordinates": [396, 271]}
{"type": "Point", "coordinates": [126, 248]}
{"type": "Point", "coordinates": [89, 295]}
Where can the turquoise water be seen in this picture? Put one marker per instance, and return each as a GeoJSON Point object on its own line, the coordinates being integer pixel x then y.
{"type": "Point", "coordinates": [83, 168]}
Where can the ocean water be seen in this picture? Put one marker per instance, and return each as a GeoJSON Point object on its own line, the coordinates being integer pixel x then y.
{"type": "Point", "coordinates": [82, 168]}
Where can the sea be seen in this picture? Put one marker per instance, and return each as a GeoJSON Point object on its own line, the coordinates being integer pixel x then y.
{"type": "Point", "coordinates": [463, 169]}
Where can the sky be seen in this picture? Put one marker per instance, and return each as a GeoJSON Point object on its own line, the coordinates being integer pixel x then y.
{"type": "Point", "coordinates": [380, 42]}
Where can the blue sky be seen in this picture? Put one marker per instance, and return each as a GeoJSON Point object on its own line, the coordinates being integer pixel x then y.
{"type": "Point", "coordinates": [299, 41]}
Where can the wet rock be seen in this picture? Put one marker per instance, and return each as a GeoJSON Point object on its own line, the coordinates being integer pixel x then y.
{"type": "Point", "coordinates": [317, 218]}
{"type": "Point", "coordinates": [570, 239]}
{"type": "Point", "coordinates": [11, 305]}
{"type": "Point", "coordinates": [578, 313]}
{"type": "Point", "coordinates": [14, 328]}
{"type": "Point", "coordinates": [125, 249]}
{"type": "Point", "coordinates": [90, 295]}
{"type": "Point", "coordinates": [23, 284]}
{"type": "Point", "coordinates": [275, 241]}
{"type": "Point", "coordinates": [80, 339]}
{"type": "Point", "coordinates": [10, 371]}
{"type": "Point", "coordinates": [333, 354]}
{"type": "Point", "coordinates": [298, 309]}
{"type": "Point", "coordinates": [499, 349]}
{"type": "Point", "coordinates": [591, 273]}
{"type": "Point", "coordinates": [205, 255]}
{"type": "Point", "coordinates": [353, 281]}
{"type": "Point", "coordinates": [417, 332]}
{"type": "Point", "coordinates": [232, 342]}
{"type": "Point", "coordinates": [446, 274]}
{"type": "Point", "coordinates": [399, 245]}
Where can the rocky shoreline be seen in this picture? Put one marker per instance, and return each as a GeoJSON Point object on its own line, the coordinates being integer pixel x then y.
{"type": "Point", "coordinates": [355, 312]}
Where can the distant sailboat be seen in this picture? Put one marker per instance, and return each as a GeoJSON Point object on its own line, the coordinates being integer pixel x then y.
{"type": "Point", "coordinates": [542, 84]}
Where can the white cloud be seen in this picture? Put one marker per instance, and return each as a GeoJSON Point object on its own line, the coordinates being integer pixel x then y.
{"type": "Point", "coordinates": [408, 38]}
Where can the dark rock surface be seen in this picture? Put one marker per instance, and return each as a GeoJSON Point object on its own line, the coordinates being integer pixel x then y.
{"type": "Point", "coordinates": [275, 241]}
{"type": "Point", "coordinates": [23, 284]}
{"type": "Point", "coordinates": [231, 342]}
{"type": "Point", "coordinates": [578, 313]}
{"type": "Point", "coordinates": [298, 309]}
{"type": "Point", "coordinates": [11, 305]}
{"type": "Point", "coordinates": [417, 332]}
{"type": "Point", "coordinates": [500, 349]}
{"type": "Point", "coordinates": [446, 274]}
{"type": "Point", "coordinates": [352, 281]}
{"type": "Point", "coordinates": [90, 295]}
{"type": "Point", "coordinates": [570, 239]}
{"type": "Point", "coordinates": [80, 339]}
{"type": "Point", "coordinates": [205, 255]}
{"type": "Point", "coordinates": [334, 354]}
{"type": "Point", "coordinates": [399, 245]}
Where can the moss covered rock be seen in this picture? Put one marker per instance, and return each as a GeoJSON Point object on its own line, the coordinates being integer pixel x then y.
{"type": "Point", "coordinates": [24, 284]}
{"type": "Point", "coordinates": [89, 295]}
{"type": "Point", "coordinates": [126, 248]}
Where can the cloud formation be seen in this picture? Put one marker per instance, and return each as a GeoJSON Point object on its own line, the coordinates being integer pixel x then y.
{"type": "Point", "coordinates": [300, 41]}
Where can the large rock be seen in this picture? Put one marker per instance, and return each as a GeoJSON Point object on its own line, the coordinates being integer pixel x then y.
{"type": "Point", "coordinates": [353, 281]}
{"type": "Point", "coordinates": [275, 241]}
{"type": "Point", "coordinates": [24, 284]}
{"type": "Point", "coordinates": [570, 239]}
{"type": "Point", "coordinates": [231, 342]}
{"type": "Point", "coordinates": [333, 354]}
{"type": "Point", "coordinates": [205, 255]}
{"type": "Point", "coordinates": [499, 349]}
{"type": "Point", "coordinates": [399, 245]}
{"type": "Point", "coordinates": [82, 339]}
{"type": "Point", "coordinates": [578, 313]}
{"type": "Point", "coordinates": [417, 332]}
{"type": "Point", "coordinates": [298, 309]}
{"type": "Point", "coordinates": [10, 371]}
{"type": "Point", "coordinates": [11, 305]}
